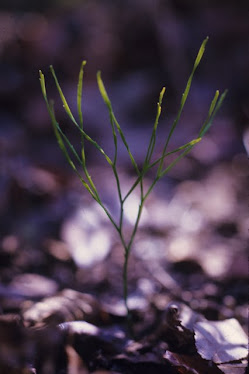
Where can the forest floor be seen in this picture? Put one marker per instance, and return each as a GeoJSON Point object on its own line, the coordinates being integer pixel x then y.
{"type": "Point", "coordinates": [188, 272]}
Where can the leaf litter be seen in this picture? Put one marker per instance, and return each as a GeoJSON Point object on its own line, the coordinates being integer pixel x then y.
{"type": "Point", "coordinates": [201, 337]}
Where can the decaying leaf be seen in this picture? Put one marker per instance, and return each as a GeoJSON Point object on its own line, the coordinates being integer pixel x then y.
{"type": "Point", "coordinates": [221, 341]}
{"type": "Point", "coordinates": [33, 285]}
{"type": "Point", "coordinates": [84, 335]}
{"type": "Point", "coordinates": [94, 345]}
{"type": "Point", "coordinates": [234, 368]}
{"type": "Point", "coordinates": [217, 342]}
{"type": "Point", "coordinates": [109, 348]}
{"type": "Point", "coordinates": [68, 305]}
{"type": "Point", "coordinates": [191, 364]}
{"type": "Point", "coordinates": [176, 327]}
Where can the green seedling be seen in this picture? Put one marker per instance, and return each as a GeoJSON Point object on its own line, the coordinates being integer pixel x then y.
{"type": "Point", "coordinates": [77, 160]}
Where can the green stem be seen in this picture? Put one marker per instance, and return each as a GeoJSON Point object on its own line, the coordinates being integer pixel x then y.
{"type": "Point", "coordinates": [125, 280]}
{"type": "Point", "coordinates": [69, 150]}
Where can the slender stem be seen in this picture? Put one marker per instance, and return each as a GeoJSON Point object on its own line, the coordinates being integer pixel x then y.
{"type": "Point", "coordinates": [121, 215]}
{"type": "Point", "coordinates": [117, 181]}
{"type": "Point", "coordinates": [151, 187]}
{"type": "Point", "coordinates": [125, 280]}
{"type": "Point", "coordinates": [67, 146]}
{"type": "Point", "coordinates": [128, 247]}
{"type": "Point", "coordinates": [107, 213]}
{"type": "Point", "coordinates": [136, 224]}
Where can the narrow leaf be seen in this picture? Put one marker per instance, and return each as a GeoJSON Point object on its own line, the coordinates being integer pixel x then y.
{"type": "Point", "coordinates": [102, 91]}
{"type": "Point", "coordinates": [63, 99]}
{"type": "Point", "coordinates": [210, 111]}
{"type": "Point", "coordinates": [161, 95]}
{"type": "Point", "coordinates": [153, 135]}
{"type": "Point", "coordinates": [201, 52]}
{"type": "Point", "coordinates": [113, 121]}
{"type": "Point", "coordinates": [208, 122]}
{"type": "Point", "coordinates": [43, 86]}
{"type": "Point", "coordinates": [183, 100]}
{"type": "Point", "coordinates": [79, 93]}
{"type": "Point", "coordinates": [191, 143]}
{"type": "Point", "coordinates": [107, 101]}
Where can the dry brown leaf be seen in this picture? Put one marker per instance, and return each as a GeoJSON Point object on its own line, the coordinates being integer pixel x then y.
{"type": "Point", "coordinates": [191, 364]}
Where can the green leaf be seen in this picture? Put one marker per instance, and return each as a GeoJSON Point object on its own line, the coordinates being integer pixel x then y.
{"type": "Point", "coordinates": [161, 95]}
{"type": "Point", "coordinates": [153, 135]}
{"type": "Point", "coordinates": [43, 86]}
{"type": "Point", "coordinates": [113, 121]}
{"type": "Point", "coordinates": [63, 99]}
{"type": "Point", "coordinates": [107, 101]}
{"type": "Point", "coordinates": [79, 93]}
{"type": "Point", "coordinates": [69, 150]}
{"type": "Point", "coordinates": [103, 92]}
{"type": "Point", "coordinates": [183, 100]}
{"type": "Point", "coordinates": [214, 107]}
{"type": "Point", "coordinates": [191, 143]}
{"type": "Point", "coordinates": [201, 52]}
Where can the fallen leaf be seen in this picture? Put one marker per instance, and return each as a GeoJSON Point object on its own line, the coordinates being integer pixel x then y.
{"type": "Point", "coordinates": [234, 368]}
{"type": "Point", "coordinates": [191, 364]}
{"type": "Point", "coordinates": [221, 341]}
{"type": "Point", "coordinates": [33, 285]}
{"type": "Point", "coordinates": [67, 305]}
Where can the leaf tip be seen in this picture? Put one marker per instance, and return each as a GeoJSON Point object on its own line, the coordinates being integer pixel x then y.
{"type": "Point", "coordinates": [161, 95]}
{"type": "Point", "coordinates": [51, 68]}
{"type": "Point", "coordinates": [41, 75]}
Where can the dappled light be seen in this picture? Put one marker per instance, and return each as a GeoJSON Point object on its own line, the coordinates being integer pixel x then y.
{"type": "Point", "coordinates": [130, 254]}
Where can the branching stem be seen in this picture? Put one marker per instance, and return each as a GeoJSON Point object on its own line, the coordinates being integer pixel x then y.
{"type": "Point", "coordinates": [70, 153]}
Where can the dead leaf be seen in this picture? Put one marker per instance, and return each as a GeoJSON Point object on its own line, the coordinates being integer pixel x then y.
{"type": "Point", "coordinates": [68, 305]}
{"type": "Point", "coordinates": [191, 364]}
{"type": "Point", "coordinates": [87, 336]}
{"type": "Point", "coordinates": [176, 327]}
{"type": "Point", "coordinates": [234, 368]}
{"type": "Point", "coordinates": [33, 285]}
{"type": "Point", "coordinates": [94, 345]}
{"type": "Point", "coordinates": [221, 341]}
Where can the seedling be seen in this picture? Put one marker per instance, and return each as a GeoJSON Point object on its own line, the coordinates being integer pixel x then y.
{"type": "Point", "coordinates": [78, 160]}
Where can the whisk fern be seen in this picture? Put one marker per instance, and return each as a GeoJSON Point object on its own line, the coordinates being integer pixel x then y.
{"type": "Point", "coordinates": [77, 160]}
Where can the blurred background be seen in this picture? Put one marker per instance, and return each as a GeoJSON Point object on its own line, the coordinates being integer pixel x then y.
{"type": "Point", "coordinates": [139, 46]}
